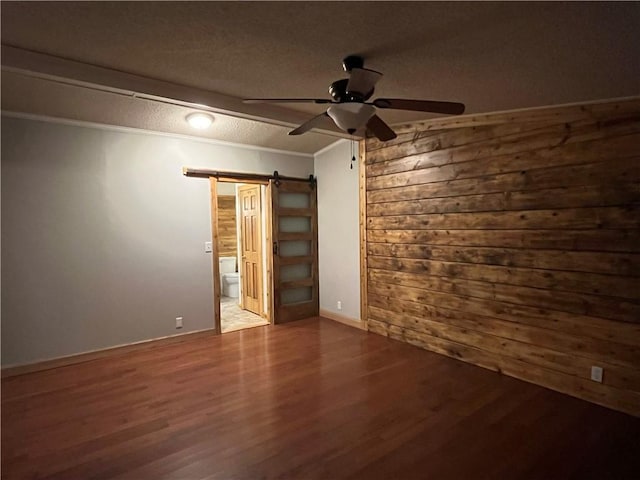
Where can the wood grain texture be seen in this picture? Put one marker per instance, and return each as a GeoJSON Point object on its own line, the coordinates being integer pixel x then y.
{"type": "Point", "coordinates": [250, 261]}
{"type": "Point", "coordinates": [215, 256]}
{"type": "Point", "coordinates": [513, 242]}
{"type": "Point", "coordinates": [302, 199]}
{"type": "Point", "coordinates": [601, 111]}
{"type": "Point", "coordinates": [307, 400]}
{"type": "Point", "coordinates": [227, 227]}
{"type": "Point", "coordinates": [362, 209]}
{"type": "Point", "coordinates": [270, 232]}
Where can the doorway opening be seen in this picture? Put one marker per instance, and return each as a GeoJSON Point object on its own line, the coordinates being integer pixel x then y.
{"type": "Point", "coordinates": [276, 255]}
{"type": "Point", "coordinates": [242, 256]}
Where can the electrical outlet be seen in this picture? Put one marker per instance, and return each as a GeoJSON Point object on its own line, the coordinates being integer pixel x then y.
{"type": "Point", "coordinates": [208, 247]}
{"type": "Point", "coordinates": [596, 374]}
{"type": "Point", "coordinates": [339, 305]}
{"type": "Point", "coordinates": [178, 322]}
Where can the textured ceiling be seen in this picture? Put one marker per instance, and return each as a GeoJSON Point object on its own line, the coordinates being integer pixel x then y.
{"type": "Point", "coordinates": [41, 97]}
{"type": "Point", "coordinates": [491, 56]}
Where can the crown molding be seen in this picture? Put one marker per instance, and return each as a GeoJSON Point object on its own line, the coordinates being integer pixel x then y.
{"type": "Point", "coordinates": [50, 67]}
{"type": "Point", "coordinates": [333, 145]}
{"type": "Point", "coordinates": [117, 128]}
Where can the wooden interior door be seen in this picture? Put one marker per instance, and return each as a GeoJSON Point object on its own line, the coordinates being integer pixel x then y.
{"type": "Point", "coordinates": [251, 248]}
{"type": "Point", "coordinates": [294, 234]}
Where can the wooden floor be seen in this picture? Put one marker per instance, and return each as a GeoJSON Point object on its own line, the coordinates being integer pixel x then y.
{"type": "Point", "coordinates": [308, 400]}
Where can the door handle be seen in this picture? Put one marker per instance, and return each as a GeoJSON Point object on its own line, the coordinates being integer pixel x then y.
{"type": "Point", "coordinates": [275, 248]}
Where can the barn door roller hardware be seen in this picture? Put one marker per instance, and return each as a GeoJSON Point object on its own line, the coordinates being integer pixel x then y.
{"type": "Point", "coordinates": [276, 178]}
{"type": "Point", "coordinates": [245, 177]}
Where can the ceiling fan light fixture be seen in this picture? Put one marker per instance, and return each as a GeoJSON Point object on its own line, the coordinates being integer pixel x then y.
{"type": "Point", "coordinates": [350, 109]}
{"type": "Point", "coordinates": [350, 116]}
{"type": "Point", "coordinates": [199, 120]}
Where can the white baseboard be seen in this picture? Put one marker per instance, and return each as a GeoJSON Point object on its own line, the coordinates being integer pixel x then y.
{"type": "Point", "coordinates": [39, 365]}
{"type": "Point", "coordinates": [352, 322]}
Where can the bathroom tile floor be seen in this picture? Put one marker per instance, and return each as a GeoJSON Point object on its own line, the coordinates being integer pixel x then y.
{"type": "Point", "coordinates": [234, 318]}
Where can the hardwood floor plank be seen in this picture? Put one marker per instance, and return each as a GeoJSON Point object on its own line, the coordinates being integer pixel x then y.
{"type": "Point", "coordinates": [309, 399]}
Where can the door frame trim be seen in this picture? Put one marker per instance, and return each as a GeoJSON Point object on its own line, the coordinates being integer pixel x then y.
{"type": "Point", "coordinates": [215, 256]}
{"type": "Point", "coordinates": [364, 278]}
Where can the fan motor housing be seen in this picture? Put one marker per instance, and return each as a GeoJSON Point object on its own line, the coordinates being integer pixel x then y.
{"type": "Point", "coordinates": [338, 91]}
{"type": "Point", "coordinates": [351, 62]}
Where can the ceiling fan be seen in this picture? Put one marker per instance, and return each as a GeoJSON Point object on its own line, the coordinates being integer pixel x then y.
{"type": "Point", "coordinates": [349, 108]}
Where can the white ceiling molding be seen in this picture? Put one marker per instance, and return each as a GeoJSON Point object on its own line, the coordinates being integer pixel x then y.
{"type": "Point", "coordinates": [55, 99]}
{"type": "Point", "coordinates": [117, 128]}
{"type": "Point", "coordinates": [39, 65]}
{"type": "Point", "coordinates": [332, 145]}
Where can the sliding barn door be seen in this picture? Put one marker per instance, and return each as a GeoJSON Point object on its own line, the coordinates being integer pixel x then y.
{"type": "Point", "coordinates": [294, 216]}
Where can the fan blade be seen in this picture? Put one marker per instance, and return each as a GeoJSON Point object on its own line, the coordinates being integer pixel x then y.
{"type": "Point", "coordinates": [286, 100]}
{"type": "Point", "coordinates": [309, 124]}
{"type": "Point", "coordinates": [451, 108]}
{"type": "Point", "coordinates": [380, 129]}
{"type": "Point", "coordinates": [362, 80]}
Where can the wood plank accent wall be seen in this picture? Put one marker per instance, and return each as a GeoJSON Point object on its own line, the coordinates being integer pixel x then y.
{"type": "Point", "coordinates": [511, 241]}
{"type": "Point", "coordinates": [227, 228]}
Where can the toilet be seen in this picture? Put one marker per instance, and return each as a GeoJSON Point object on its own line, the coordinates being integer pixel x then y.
{"type": "Point", "coordinates": [229, 278]}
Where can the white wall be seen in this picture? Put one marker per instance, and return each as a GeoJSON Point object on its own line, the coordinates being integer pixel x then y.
{"type": "Point", "coordinates": [103, 237]}
{"type": "Point", "coordinates": [338, 229]}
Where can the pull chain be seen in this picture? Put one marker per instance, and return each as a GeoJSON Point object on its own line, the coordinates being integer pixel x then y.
{"type": "Point", "coordinates": [353, 156]}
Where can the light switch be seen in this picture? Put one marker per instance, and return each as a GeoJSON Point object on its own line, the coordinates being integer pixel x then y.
{"type": "Point", "coordinates": [208, 247]}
